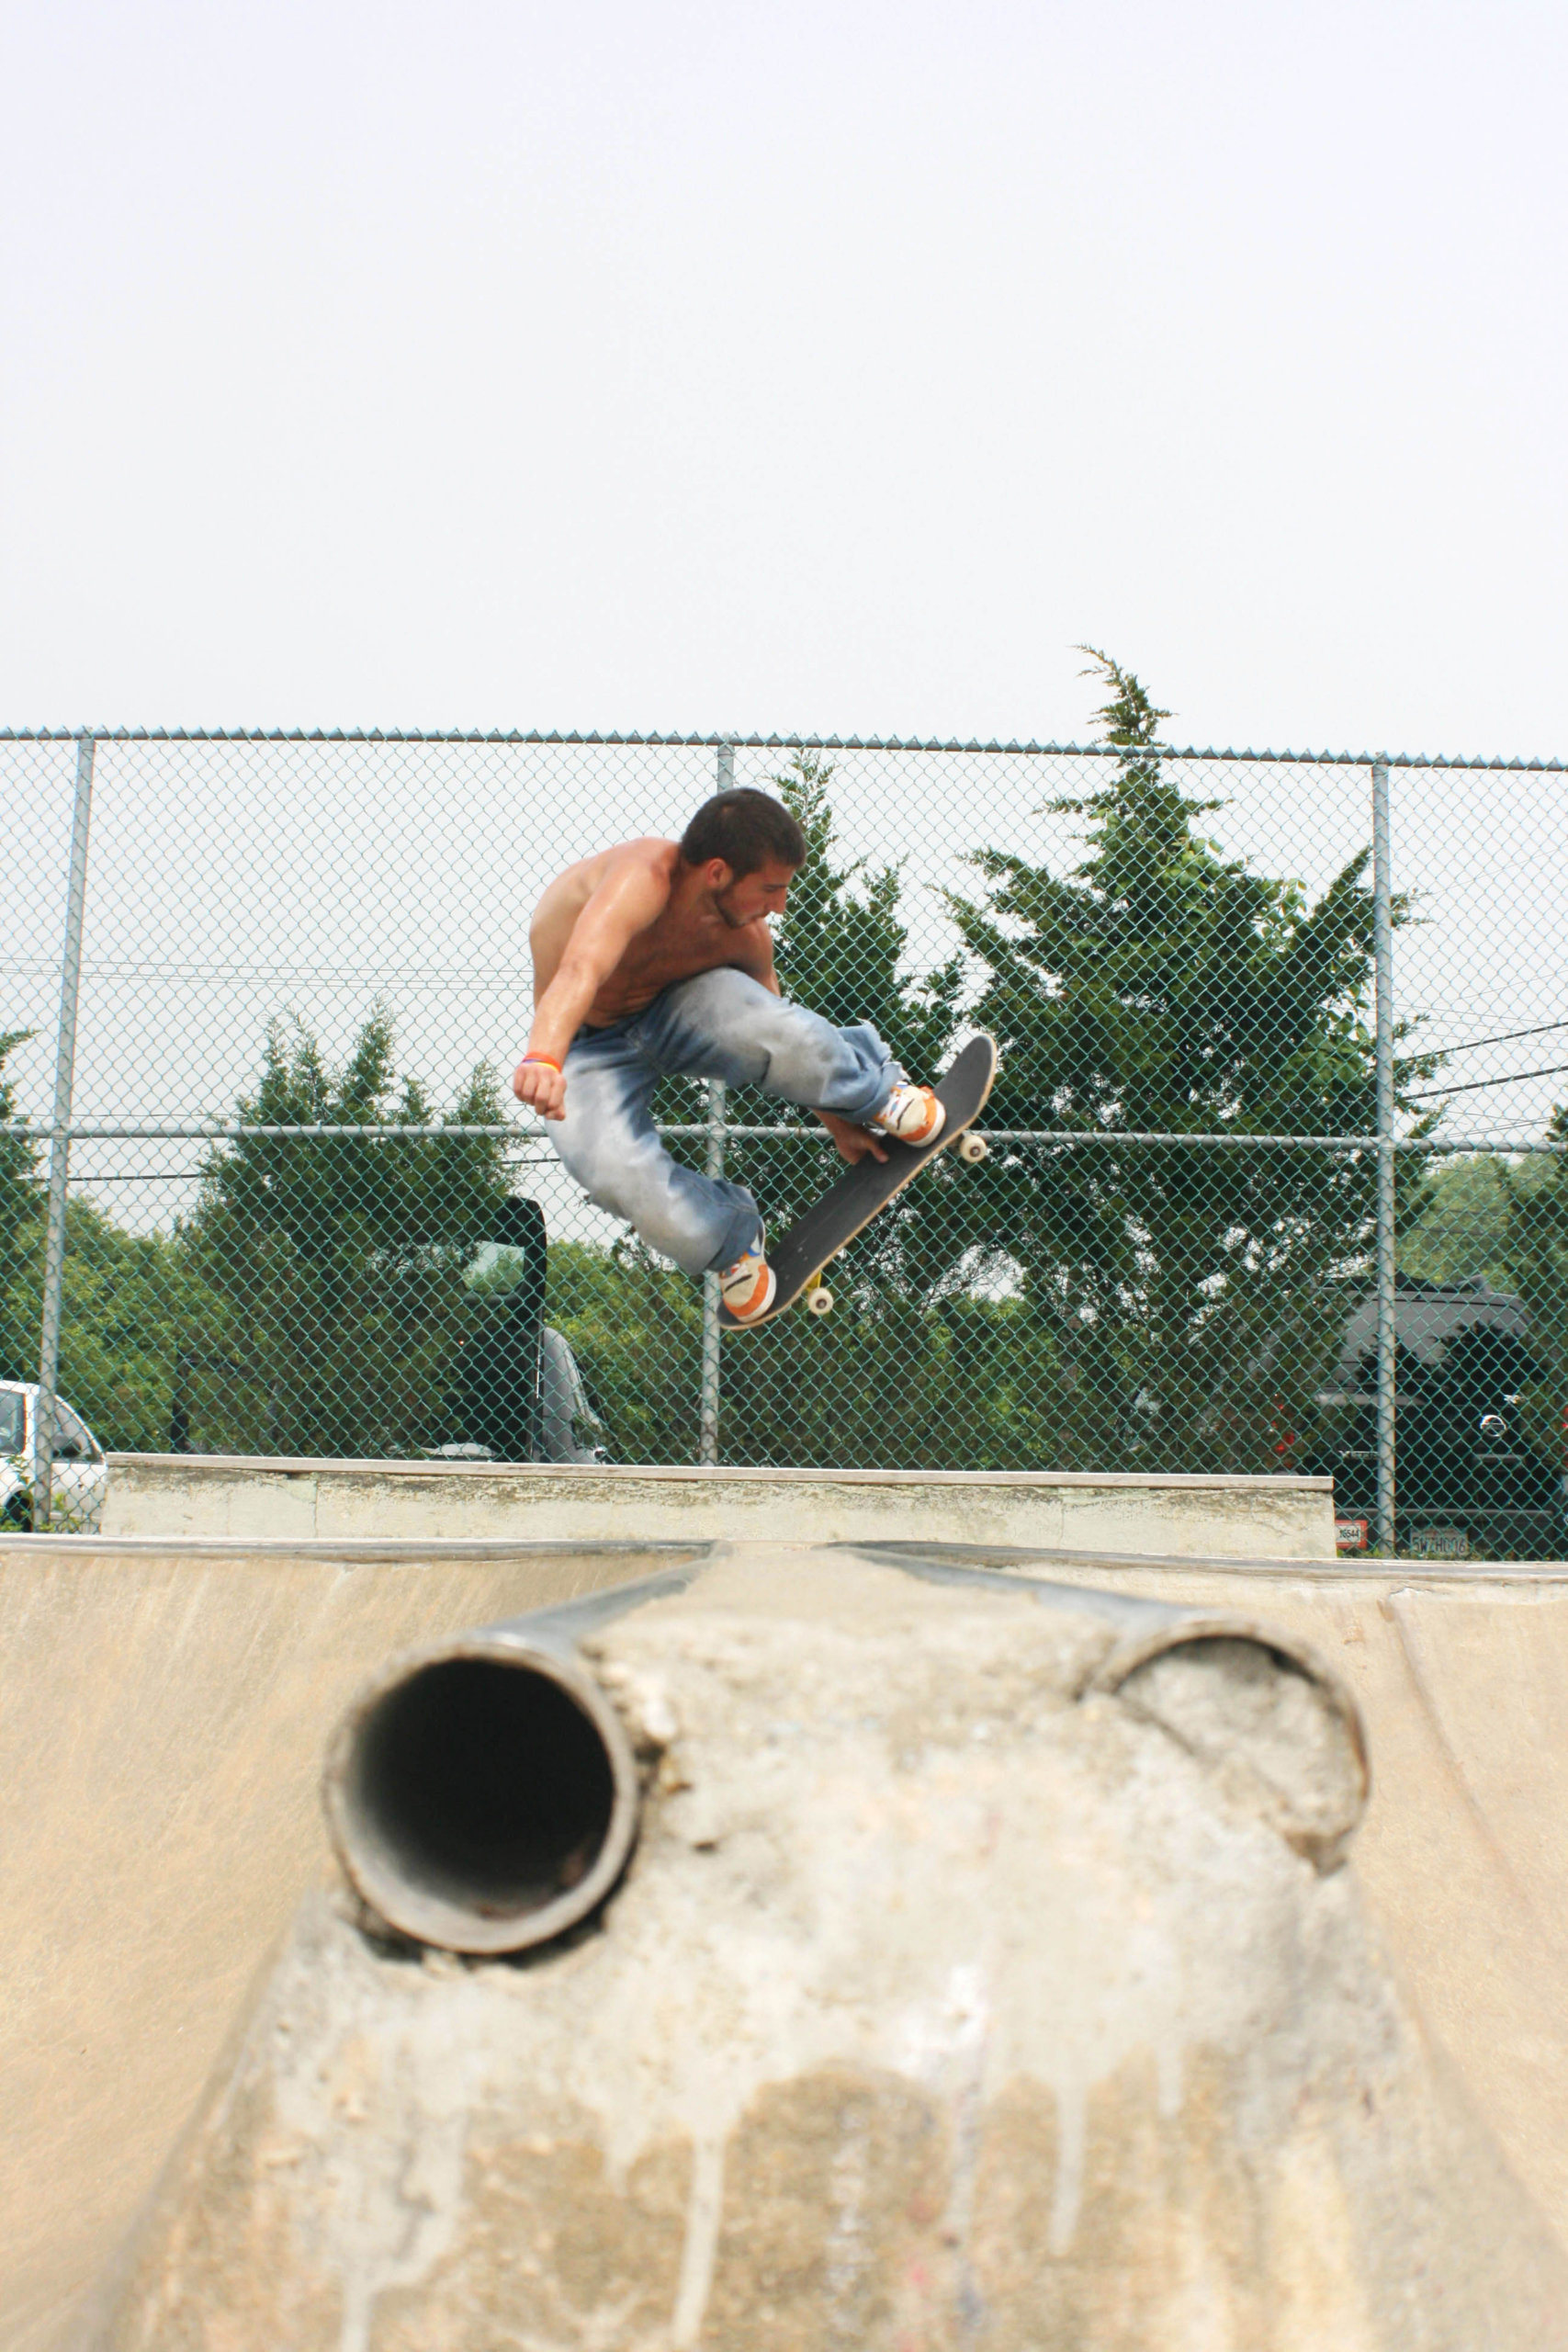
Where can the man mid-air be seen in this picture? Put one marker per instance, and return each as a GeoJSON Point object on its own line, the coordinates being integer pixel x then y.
{"type": "Point", "coordinates": [653, 960]}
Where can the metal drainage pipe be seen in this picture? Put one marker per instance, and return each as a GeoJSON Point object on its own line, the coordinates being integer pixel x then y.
{"type": "Point", "coordinates": [482, 1794]}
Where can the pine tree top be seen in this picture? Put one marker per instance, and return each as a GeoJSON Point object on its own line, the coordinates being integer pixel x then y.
{"type": "Point", "coordinates": [1131, 720]}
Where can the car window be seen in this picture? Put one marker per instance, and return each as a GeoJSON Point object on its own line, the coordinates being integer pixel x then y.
{"type": "Point", "coordinates": [71, 1443]}
{"type": "Point", "coordinates": [13, 1422]}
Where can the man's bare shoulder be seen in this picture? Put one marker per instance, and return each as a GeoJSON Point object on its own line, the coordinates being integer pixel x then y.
{"type": "Point", "coordinates": [649, 851]}
{"type": "Point", "coordinates": [648, 855]}
{"type": "Point", "coordinates": [648, 858]}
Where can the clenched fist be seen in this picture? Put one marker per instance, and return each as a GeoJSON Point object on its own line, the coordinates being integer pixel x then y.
{"type": "Point", "coordinates": [542, 1087]}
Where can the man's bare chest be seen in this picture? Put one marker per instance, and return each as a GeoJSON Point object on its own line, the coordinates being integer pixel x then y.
{"type": "Point", "coordinates": [664, 953]}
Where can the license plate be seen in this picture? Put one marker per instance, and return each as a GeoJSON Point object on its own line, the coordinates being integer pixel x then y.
{"type": "Point", "coordinates": [1440, 1543]}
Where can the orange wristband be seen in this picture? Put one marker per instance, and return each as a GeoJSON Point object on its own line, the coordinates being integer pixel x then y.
{"type": "Point", "coordinates": [548, 1059]}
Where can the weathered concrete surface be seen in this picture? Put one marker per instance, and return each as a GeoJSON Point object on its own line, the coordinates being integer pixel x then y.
{"type": "Point", "coordinates": [162, 1495]}
{"type": "Point", "coordinates": [966, 1986]}
{"type": "Point", "coordinates": [163, 1714]}
{"type": "Point", "coordinates": [164, 1709]}
{"type": "Point", "coordinates": [1463, 1678]}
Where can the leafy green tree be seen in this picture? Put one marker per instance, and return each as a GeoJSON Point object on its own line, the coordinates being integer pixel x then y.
{"type": "Point", "coordinates": [967, 1384]}
{"type": "Point", "coordinates": [126, 1299]}
{"type": "Point", "coordinates": [1191, 1294]}
{"type": "Point", "coordinates": [130, 1301]}
{"type": "Point", "coordinates": [896, 1383]}
{"type": "Point", "coordinates": [1469, 1216]}
{"type": "Point", "coordinates": [337, 1263]}
{"type": "Point", "coordinates": [634, 1326]}
{"type": "Point", "coordinates": [20, 1201]}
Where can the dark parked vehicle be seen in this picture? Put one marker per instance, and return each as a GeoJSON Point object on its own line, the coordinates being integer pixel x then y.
{"type": "Point", "coordinates": [519, 1396]}
{"type": "Point", "coordinates": [1467, 1465]}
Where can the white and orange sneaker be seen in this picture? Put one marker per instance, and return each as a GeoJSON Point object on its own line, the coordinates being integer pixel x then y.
{"type": "Point", "coordinates": [913, 1113]}
{"type": "Point", "coordinates": [746, 1288]}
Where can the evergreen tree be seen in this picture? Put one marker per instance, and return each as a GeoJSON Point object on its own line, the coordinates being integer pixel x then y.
{"type": "Point", "coordinates": [1190, 1292]}
{"type": "Point", "coordinates": [842, 946]}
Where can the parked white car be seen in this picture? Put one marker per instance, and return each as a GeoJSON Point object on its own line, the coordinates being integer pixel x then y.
{"type": "Point", "coordinates": [80, 1474]}
{"type": "Point", "coordinates": [569, 1428]}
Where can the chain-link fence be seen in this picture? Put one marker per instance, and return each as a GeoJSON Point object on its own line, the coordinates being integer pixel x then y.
{"type": "Point", "coordinates": [1276, 1177]}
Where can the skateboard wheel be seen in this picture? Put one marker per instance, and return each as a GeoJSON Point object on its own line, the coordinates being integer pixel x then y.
{"type": "Point", "coordinates": [820, 1301]}
{"type": "Point", "coordinates": [973, 1148]}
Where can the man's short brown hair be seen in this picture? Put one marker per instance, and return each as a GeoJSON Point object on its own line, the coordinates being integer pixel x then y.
{"type": "Point", "coordinates": [746, 828]}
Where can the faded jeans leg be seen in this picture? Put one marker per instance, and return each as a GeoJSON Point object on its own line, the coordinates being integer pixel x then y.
{"type": "Point", "coordinates": [608, 1142]}
{"type": "Point", "coordinates": [720, 1024]}
{"type": "Point", "coordinates": [724, 1024]}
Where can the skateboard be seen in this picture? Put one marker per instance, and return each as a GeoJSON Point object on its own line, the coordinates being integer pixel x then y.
{"type": "Point", "coordinates": [804, 1253]}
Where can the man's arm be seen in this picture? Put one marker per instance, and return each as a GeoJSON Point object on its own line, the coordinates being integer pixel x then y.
{"type": "Point", "coordinates": [611, 919]}
{"type": "Point", "coordinates": [754, 954]}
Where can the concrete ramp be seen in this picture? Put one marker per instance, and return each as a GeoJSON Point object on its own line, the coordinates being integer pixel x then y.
{"type": "Point", "coordinates": [988, 1970]}
{"type": "Point", "coordinates": [163, 1711]}
{"type": "Point", "coordinates": [1226, 1517]}
{"type": "Point", "coordinates": [1463, 1678]}
{"type": "Point", "coordinates": [164, 1708]}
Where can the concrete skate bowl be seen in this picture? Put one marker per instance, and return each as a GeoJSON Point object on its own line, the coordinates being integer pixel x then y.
{"type": "Point", "coordinates": [163, 1707]}
{"type": "Point", "coordinates": [1461, 1676]}
{"type": "Point", "coordinates": [988, 1969]}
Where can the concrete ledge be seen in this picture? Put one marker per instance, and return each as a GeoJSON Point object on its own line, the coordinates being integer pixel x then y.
{"type": "Point", "coordinates": [304, 1500]}
{"type": "Point", "coordinates": [362, 1550]}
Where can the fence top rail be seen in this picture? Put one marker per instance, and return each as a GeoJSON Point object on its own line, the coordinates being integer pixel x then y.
{"type": "Point", "coordinates": [1117, 1138]}
{"type": "Point", "coordinates": [680, 742]}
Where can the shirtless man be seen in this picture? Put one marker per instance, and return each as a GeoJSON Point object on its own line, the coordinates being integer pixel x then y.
{"type": "Point", "coordinates": [654, 960]}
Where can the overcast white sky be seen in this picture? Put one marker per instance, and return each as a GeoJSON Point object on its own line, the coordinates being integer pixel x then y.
{"type": "Point", "coordinates": [815, 366]}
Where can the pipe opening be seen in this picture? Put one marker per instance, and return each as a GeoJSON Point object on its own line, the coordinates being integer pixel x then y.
{"type": "Point", "coordinates": [480, 1785]}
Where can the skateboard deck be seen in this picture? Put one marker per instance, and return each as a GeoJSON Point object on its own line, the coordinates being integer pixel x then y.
{"type": "Point", "coordinates": [804, 1251]}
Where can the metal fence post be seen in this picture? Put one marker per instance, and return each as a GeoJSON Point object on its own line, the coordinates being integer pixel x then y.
{"type": "Point", "coordinates": [59, 1139]}
{"type": "Point", "coordinates": [707, 1415]}
{"type": "Point", "coordinates": [1382, 949]}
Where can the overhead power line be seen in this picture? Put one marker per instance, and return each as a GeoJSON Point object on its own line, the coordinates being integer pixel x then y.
{"type": "Point", "coordinates": [1474, 1085]}
{"type": "Point", "coordinates": [1507, 1038]}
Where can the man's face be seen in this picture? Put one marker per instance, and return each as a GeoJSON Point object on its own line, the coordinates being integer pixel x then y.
{"type": "Point", "coordinates": [742, 900]}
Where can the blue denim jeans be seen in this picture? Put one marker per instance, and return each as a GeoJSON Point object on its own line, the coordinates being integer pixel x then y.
{"type": "Point", "coordinates": [720, 1024]}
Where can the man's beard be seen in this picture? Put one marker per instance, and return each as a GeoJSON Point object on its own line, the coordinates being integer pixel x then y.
{"type": "Point", "coordinates": [736, 922]}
